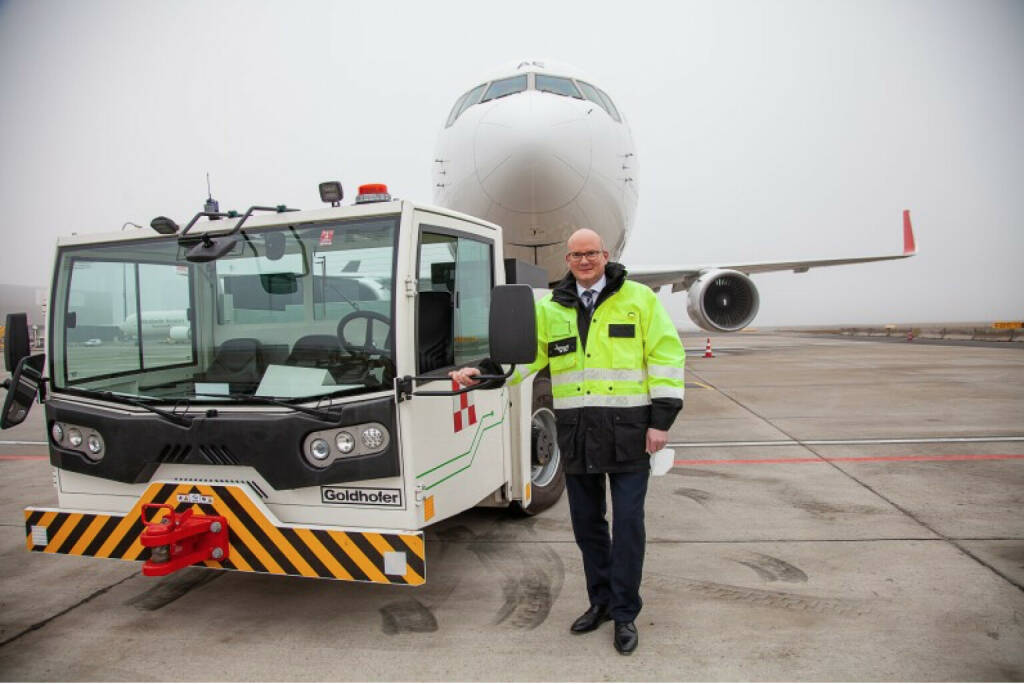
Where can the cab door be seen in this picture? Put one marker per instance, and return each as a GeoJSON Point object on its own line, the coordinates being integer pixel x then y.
{"type": "Point", "coordinates": [455, 446]}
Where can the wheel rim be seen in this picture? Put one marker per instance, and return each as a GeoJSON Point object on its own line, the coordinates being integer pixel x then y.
{"type": "Point", "coordinates": [545, 456]}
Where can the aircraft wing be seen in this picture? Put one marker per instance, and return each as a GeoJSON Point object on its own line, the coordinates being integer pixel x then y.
{"type": "Point", "coordinates": [681, 277]}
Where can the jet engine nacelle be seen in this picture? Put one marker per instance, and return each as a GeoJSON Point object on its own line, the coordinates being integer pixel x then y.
{"type": "Point", "coordinates": [179, 333]}
{"type": "Point", "coordinates": [722, 301]}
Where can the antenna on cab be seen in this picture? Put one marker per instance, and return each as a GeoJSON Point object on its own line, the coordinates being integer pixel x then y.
{"type": "Point", "coordinates": [211, 206]}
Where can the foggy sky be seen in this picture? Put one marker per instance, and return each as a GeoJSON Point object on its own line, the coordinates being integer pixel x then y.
{"type": "Point", "coordinates": [764, 130]}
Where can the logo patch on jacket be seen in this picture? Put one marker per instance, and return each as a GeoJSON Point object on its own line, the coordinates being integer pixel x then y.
{"type": "Point", "coordinates": [562, 347]}
{"type": "Point", "coordinates": [621, 330]}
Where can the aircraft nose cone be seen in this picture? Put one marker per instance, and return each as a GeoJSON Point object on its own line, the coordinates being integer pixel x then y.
{"type": "Point", "coordinates": [533, 151]}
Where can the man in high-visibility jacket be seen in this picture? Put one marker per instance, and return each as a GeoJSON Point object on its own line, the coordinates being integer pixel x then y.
{"type": "Point", "coordinates": [617, 384]}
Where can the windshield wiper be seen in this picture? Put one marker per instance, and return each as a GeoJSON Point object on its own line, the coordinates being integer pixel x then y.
{"type": "Point", "coordinates": [182, 420]}
{"type": "Point", "coordinates": [324, 416]}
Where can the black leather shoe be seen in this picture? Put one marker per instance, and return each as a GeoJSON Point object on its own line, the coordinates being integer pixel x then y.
{"type": "Point", "coordinates": [590, 620]}
{"type": "Point", "coordinates": [626, 637]}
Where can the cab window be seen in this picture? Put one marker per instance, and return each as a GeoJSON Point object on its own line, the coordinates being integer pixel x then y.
{"type": "Point", "coordinates": [506, 86]}
{"type": "Point", "coordinates": [124, 317]}
{"type": "Point", "coordinates": [453, 299]}
{"type": "Point", "coordinates": [556, 85]}
{"type": "Point", "coordinates": [464, 103]}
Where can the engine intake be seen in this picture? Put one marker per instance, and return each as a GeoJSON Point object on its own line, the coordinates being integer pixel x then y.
{"type": "Point", "coordinates": [179, 333]}
{"type": "Point", "coordinates": [722, 301]}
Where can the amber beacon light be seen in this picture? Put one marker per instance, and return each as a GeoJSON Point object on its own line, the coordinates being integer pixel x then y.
{"type": "Point", "coordinates": [373, 192]}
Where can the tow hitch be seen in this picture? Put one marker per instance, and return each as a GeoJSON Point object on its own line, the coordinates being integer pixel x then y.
{"type": "Point", "coordinates": [178, 541]}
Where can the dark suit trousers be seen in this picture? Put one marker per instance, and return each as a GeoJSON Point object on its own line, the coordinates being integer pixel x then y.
{"type": "Point", "coordinates": [614, 564]}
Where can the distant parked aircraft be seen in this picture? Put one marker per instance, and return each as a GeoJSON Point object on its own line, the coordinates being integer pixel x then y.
{"type": "Point", "coordinates": [172, 324]}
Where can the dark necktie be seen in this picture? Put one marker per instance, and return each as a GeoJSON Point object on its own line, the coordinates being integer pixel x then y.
{"type": "Point", "coordinates": [589, 297]}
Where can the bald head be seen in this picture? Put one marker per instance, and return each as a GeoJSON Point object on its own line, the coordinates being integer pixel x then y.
{"type": "Point", "coordinates": [584, 235]}
{"type": "Point", "coordinates": [586, 256]}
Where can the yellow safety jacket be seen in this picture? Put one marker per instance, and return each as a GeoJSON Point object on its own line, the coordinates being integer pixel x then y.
{"type": "Point", "coordinates": [612, 376]}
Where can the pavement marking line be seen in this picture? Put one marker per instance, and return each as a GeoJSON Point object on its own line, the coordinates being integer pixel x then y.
{"type": "Point", "coordinates": [853, 459]}
{"type": "Point", "coordinates": [13, 457]}
{"type": "Point", "coordinates": [5, 442]}
{"type": "Point", "coordinates": [845, 442]}
{"type": "Point", "coordinates": [906, 512]}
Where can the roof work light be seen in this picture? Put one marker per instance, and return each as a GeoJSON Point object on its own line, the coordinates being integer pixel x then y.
{"type": "Point", "coordinates": [330, 191]}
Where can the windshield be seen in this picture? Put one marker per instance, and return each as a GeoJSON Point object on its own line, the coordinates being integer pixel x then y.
{"type": "Point", "coordinates": [556, 85]}
{"type": "Point", "coordinates": [293, 312]}
{"type": "Point", "coordinates": [506, 86]}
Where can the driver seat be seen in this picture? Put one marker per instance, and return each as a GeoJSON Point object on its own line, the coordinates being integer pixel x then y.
{"type": "Point", "coordinates": [317, 351]}
{"type": "Point", "coordinates": [238, 362]}
{"type": "Point", "coordinates": [434, 330]}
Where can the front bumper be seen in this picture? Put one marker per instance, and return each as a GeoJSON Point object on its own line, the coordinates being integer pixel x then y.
{"type": "Point", "coordinates": [258, 541]}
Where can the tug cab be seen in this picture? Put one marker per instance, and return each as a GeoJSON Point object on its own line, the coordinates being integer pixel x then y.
{"type": "Point", "coordinates": [282, 376]}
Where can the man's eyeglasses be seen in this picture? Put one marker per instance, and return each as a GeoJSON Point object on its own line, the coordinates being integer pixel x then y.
{"type": "Point", "coordinates": [591, 255]}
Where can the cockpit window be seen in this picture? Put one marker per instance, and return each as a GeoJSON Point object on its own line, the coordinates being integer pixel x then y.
{"type": "Point", "coordinates": [610, 105]}
{"type": "Point", "coordinates": [506, 86]}
{"type": "Point", "coordinates": [464, 103]}
{"type": "Point", "coordinates": [557, 85]}
{"type": "Point", "coordinates": [456, 108]}
{"type": "Point", "coordinates": [600, 98]}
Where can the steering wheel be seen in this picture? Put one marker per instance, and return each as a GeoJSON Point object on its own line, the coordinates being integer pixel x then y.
{"type": "Point", "coordinates": [367, 347]}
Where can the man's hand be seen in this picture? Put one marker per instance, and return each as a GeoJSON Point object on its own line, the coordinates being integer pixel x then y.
{"type": "Point", "coordinates": [465, 377]}
{"type": "Point", "coordinates": [656, 440]}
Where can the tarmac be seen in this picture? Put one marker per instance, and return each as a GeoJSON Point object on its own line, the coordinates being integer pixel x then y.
{"type": "Point", "coordinates": [838, 510]}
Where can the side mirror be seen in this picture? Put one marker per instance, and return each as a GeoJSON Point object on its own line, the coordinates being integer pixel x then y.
{"type": "Point", "coordinates": [16, 344]}
{"type": "Point", "coordinates": [513, 338]}
{"type": "Point", "coordinates": [22, 390]}
{"type": "Point", "coordinates": [513, 324]}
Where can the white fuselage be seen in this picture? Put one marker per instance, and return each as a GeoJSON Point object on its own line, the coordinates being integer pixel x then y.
{"type": "Point", "coordinates": [157, 324]}
{"type": "Point", "coordinates": [541, 165]}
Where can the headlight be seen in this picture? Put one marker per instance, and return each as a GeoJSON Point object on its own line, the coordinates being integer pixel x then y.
{"type": "Point", "coordinates": [319, 449]}
{"type": "Point", "coordinates": [74, 437]}
{"type": "Point", "coordinates": [94, 444]}
{"type": "Point", "coordinates": [373, 438]}
{"type": "Point", "coordinates": [324, 448]}
{"type": "Point", "coordinates": [58, 432]}
{"type": "Point", "coordinates": [345, 442]}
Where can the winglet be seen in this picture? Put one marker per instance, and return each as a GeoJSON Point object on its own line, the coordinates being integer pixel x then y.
{"type": "Point", "coordinates": [909, 247]}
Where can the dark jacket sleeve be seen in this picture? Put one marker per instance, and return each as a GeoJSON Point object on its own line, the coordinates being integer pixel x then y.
{"type": "Point", "coordinates": [664, 412]}
{"type": "Point", "coordinates": [489, 367]}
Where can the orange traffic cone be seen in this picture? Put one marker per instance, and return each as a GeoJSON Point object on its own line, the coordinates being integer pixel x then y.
{"type": "Point", "coordinates": [707, 350]}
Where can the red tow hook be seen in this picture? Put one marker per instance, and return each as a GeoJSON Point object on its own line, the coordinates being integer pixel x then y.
{"type": "Point", "coordinates": [179, 541]}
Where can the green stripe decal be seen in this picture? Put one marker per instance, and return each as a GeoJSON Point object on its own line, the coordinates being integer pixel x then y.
{"type": "Point", "coordinates": [477, 439]}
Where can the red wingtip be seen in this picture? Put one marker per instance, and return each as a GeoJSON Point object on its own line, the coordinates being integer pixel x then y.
{"type": "Point", "coordinates": [908, 234]}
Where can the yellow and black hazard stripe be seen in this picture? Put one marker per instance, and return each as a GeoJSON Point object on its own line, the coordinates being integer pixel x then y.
{"type": "Point", "coordinates": [256, 544]}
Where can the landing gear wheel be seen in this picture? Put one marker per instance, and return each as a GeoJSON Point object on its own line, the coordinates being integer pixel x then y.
{"type": "Point", "coordinates": [547, 475]}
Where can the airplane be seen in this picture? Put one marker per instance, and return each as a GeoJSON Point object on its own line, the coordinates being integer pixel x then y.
{"type": "Point", "coordinates": [170, 324]}
{"type": "Point", "coordinates": [540, 149]}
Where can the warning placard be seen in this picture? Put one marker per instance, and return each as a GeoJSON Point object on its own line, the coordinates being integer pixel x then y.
{"type": "Point", "coordinates": [1008, 325]}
